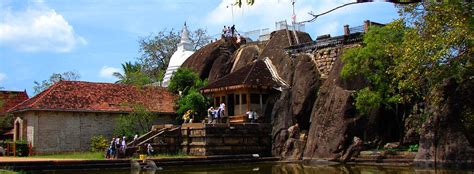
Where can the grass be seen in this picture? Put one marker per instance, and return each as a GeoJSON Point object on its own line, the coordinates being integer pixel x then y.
{"type": "Point", "coordinates": [74, 155]}
{"type": "Point", "coordinates": [173, 155]}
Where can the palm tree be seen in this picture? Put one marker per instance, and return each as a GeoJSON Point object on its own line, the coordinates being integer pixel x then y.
{"type": "Point", "coordinates": [132, 74]}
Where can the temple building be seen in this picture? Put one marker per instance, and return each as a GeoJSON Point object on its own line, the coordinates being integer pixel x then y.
{"type": "Point", "coordinates": [65, 117]}
{"type": "Point", "coordinates": [245, 89]}
{"type": "Point", "coordinates": [184, 50]}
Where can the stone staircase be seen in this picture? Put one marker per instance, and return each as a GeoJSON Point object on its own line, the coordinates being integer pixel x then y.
{"type": "Point", "coordinates": [163, 138]}
{"type": "Point", "coordinates": [238, 119]}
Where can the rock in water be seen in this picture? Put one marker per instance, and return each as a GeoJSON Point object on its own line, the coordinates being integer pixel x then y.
{"type": "Point", "coordinates": [443, 142]}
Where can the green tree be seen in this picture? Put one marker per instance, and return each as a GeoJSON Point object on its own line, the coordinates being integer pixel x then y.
{"type": "Point", "coordinates": [156, 50]}
{"type": "Point", "coordinates": [140, 120]}
{"type": "Point", "coordinates": [438, 45]}
{"type": "Point", "coordinates": [55, 77]}
{"type": "Point", "coordinates": [185, 79]}
{"type": "Point", "coordinates": [133, 74]}
{"type": "Point", "coordinates": [408, 59]}
{"type": "Point", "coordinates": [374, 60]}
{"type": "Point", "coordinates": [187, 83]}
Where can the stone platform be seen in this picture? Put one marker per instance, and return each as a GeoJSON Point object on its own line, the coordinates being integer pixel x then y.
{"type": "Point", "coordinates": [226, 139]}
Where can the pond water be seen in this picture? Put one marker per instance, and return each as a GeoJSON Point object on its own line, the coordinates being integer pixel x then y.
{"type": "Point", "coordinates": [264, 168]}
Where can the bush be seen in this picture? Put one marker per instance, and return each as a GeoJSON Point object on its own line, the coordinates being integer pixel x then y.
{"type": "Point", "coordinates": [22, 148]}
{"type": "Point", "coordinates": [413, 148]}
{"type": "Point", "coordinates": [98, 143]}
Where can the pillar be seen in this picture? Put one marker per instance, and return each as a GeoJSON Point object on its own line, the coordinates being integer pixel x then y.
{"type": "Point", "coordinates": [346, 30]}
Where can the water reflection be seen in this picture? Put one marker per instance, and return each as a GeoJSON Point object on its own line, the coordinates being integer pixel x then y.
{"type": "Point", "coordinates": [265, 168]}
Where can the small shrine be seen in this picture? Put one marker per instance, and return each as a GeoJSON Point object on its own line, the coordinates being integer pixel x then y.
{"type": "Point", "coordinates": [245, 89]}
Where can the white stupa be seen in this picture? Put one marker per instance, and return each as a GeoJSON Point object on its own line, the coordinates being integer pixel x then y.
{"type": "Point", "coordinates": [185, 49]}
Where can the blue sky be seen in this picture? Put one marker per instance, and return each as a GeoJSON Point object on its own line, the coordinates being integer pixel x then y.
{"type": "Point", "coordinates": [41, 37]}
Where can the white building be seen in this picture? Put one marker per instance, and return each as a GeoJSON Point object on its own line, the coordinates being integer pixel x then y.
{"type": "Point", "coordinates": [185, 49]}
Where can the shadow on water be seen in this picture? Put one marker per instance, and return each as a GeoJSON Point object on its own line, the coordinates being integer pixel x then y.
{"type": "Point", "coordinates": [263, 168]}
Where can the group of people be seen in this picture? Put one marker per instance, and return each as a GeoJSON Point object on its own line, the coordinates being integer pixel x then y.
{"type": "Point", "coordinates": [228, 32]}
{"type": "Point", "coordinates": [216, 115]}
{"type": "Point", "coordinates": [118, 146]}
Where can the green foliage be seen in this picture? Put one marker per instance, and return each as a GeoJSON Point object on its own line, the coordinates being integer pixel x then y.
{"type": "Point", "coordinates": [98, 143]}
{"type": "Point", "coordinates": [410, 57]}
{"type": "Point", "coordinates": [438, 45]}
{"type": "Point", "coordinates": [133, 74]}
{"type": "Point", "coordinates": [55, 77]}
{"type": "Point", "coordinates": [194, 101]}
{"type": "Point", "coordinates": [413, 148]}
{"type": "Point", "coordinates": [6, 122]}
{"type": "Point", "coordinates": [374, 61]}
{"type": "Point", "coordinates": [22, 148]}
{"type": "Point", "coordinates": [140, 120]}
{"type": "Point", "coordinates": [185, 79]}
{"type": "Point", "coordinates": [187, 83]}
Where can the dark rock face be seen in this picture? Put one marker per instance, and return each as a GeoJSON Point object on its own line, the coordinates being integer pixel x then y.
{"type": "Point", "coordinates": [443, 140]}
{"type": "Point", "coordinates": [334, 120]}
{"type": "Point", "coordinates": [203, 59]}
{"type": "Point", "coordinates": [245, 55]}
{"type": "Point", "coordinates": [304, 89]}
{"type": "Point", "coordinates": [213, 60]}
{"type": "Point", "coordinates": [274, 50]}
{"type": "Point", "coordinates": [223, 62]}
{"type": "Point", "coordinates": [295, 106]}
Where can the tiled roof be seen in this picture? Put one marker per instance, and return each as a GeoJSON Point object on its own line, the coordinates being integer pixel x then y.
{"type": "Point", "coordinates": [9, 99]}
{"type": "Point", "coordinates": [99, 97]}
{"type": "Point", "coordinates": [258, 74]}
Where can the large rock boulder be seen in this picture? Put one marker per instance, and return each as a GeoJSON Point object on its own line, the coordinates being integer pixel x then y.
{"type": "Point", "coordinates": [295, 107]}
{"type": "Point", "coordinates": [334, 121]}
{"type": "Point", "coordinates": [246, 54]}
{"type": "Point", "coordinates": [213, 60]}
{"type": "Point", "coordinates": [443, 138]}
{"type": "Point", "coordinates": [275, 51]}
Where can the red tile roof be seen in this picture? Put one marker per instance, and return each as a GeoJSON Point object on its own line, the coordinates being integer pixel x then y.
{"type": "Point", "coordinates": [99, 97]}
{"type": "Point", "coordinates": [9, 99]}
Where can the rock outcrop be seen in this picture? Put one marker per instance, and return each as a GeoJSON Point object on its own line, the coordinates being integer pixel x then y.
{"type": "Point", "coordinates": [274, 50]}
{"type": "Point", "coordinates": [295, 107]}
{"type": "Point", "coordinates": [334, 121]}
{"type": "Point", "coordinates": [213, 60]}
{"type": "Point", "coordinates": [443, 140]}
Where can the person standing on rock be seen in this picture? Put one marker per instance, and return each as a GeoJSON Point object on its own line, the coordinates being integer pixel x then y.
{"type": "Point", "coordinates": [232, 30]}
{"type": "Point", "coordinates": [224, 32]}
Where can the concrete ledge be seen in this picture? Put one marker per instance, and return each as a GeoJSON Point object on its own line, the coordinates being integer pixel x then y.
{"type": "Point", "coordinates": [125, 163]}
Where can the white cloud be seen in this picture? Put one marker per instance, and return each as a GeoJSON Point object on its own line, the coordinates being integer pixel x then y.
{"type": "Point", "coordinates": [107, 72]}
{"type": "Point", "coordinates": [37, 28]}
{"type": "Point", "coordinates": [2, 77]}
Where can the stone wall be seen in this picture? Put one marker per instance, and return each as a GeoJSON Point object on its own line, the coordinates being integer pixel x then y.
{"type": "Point", "coordinates": [226, 139]}
{"type": "Point", "coordinates": [51, 132]}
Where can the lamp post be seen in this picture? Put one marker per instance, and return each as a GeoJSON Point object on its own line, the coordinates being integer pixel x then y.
{"type": "Point", "coordinates": [232, 10]}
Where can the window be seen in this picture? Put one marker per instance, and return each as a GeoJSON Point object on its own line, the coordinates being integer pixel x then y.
{"type": "Point", "coordinates": [237, 99]}
{"type": "Point", "coordinates": [218, 101]}
{"type": "Point", "coordinates": [254, 99]}
{"type": "Point", "coordinates": [244, 98]}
